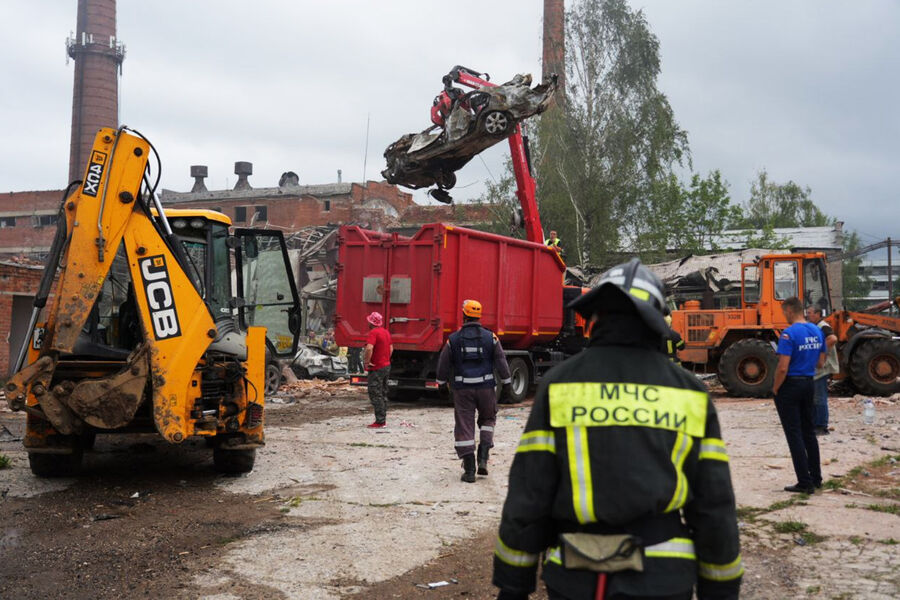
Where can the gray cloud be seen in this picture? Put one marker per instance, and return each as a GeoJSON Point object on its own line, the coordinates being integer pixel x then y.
{"type": "Point", "coordinates": [805, 89]}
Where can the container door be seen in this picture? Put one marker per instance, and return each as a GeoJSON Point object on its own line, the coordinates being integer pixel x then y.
{"type": "Point", "coordinates": [409, 292]}
{"type": "Point", "coordinates": [266, 285]}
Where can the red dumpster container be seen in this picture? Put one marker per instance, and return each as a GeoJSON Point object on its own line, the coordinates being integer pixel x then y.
{"type": "Point", "coordinates": [419, 283]}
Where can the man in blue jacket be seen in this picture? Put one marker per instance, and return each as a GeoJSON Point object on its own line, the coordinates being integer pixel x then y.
{"type": "Point", "coordinates": [801, 350]}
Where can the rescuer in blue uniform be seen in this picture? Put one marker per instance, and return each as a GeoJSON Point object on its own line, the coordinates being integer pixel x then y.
{"type": "Point", "coordinates": [801, 350]}
{"type": "Point", "coordinates": [620, 484]}
{"type": "Point", "coordinates": [468, 361]}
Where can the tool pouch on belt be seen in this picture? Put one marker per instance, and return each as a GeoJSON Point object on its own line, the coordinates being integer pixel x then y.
{"type": "Point", "coordinates": [602, 553]}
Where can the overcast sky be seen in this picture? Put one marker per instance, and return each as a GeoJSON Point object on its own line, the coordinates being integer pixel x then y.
{"type": "Point", "coordinates": [808, 90]}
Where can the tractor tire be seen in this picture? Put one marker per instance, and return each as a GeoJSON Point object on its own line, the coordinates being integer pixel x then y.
{"type": "Point", "coordinates": [521, 379]}
{"type": "Point", "coordinates": [875, 367]}
{"type": "Point", "coordinates": [56, 465]}
{"type": "Point", "coordinates": [747, 368]}
{"type": "Point", "coordinates": [233, 462]}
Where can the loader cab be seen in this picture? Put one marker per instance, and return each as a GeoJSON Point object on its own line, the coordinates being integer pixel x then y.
{"type": "Point", "coordinates": [259, 290]}
{"type": "Point", "coordinates": [767, 283]}
{"type": "Point", "coordinates": [245, 279]}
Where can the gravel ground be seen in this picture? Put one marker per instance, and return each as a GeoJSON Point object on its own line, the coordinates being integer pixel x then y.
{"type": "Point", "coordinates": [334, 510]}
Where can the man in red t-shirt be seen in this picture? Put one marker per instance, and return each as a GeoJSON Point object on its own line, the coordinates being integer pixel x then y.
{"type": "Point", "coordinates": [377, 359]}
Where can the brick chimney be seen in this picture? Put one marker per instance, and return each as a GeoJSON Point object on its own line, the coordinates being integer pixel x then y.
{"type": "Point", "coordinates": [199, 173]}
{"type": "Point", "coordinates": [555, 40]}
{"type": "Point", "coordinates": [98, 59]}
{"type": "Point", "coordinates": [243, 170]}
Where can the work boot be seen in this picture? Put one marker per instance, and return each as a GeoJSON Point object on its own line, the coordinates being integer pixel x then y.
{"type": "Point", "coordinates": [484, 452]}
{"type": "Point", "coordinates": [468, 468]}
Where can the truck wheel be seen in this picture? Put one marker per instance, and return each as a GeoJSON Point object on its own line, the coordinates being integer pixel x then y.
{"type": "Point", "coordinates": [234, 462]}
{"type": "Point", "coordinates": [518, 372]}
{"type": "Point", "coordinates": [875, 366]}
{"type": "Point", "coordinates": [55, 465]}
{"type": "Point", "coordinates": [747, 368]}
{"type": "Point", "coordinates": [273, 378]}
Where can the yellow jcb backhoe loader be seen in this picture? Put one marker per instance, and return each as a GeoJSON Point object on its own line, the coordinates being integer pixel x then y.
{"type": "Point", "coordinates": [143, 332]}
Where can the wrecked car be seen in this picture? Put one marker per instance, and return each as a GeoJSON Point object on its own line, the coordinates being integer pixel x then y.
{"type": "Point", "coordinates": [312, 362]}
{"type": "Point", "coordinates": [465, 124]}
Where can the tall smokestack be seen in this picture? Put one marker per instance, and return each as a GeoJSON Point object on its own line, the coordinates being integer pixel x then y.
{"type": "Point", "coordinates": [98, 59]}
{"type": "Point", "coordinates": [555, 40]}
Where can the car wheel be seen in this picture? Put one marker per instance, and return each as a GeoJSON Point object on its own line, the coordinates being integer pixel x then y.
{"type": "Point", "coordinates": [273, 378]}
{"type": "Point", "coordinates": [446, 180]}
{"type": "Point", "coordinates": [496, 122]}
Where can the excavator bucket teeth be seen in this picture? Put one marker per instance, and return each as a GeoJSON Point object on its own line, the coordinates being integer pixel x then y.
{"type": "Point", "coordinates": [111, 402]}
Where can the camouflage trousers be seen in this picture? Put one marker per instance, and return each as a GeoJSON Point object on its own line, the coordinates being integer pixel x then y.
{"type": "Point", "coordinates": [378, 390]}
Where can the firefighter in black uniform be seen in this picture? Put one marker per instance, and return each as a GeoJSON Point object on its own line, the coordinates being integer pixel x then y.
{"type": "Point", "coordinates": [674, 342]}
{"type": "Point", "coordinates": [620, 484]}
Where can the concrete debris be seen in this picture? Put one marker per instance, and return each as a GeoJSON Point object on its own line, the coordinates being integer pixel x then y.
{"type": "Point", "coordinates": [321, 388]}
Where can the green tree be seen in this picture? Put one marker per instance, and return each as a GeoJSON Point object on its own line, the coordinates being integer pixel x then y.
{"type": "Point", "coordinates": [780, 205]}
{"type": "Point", "coordinates": [613, 138]}
{"type": "Point", "coordinates": [706, 212]}
{"type": "Point", "coordinates": [856, 285]}
{"type": "Point", "coordinates": [686, 219]}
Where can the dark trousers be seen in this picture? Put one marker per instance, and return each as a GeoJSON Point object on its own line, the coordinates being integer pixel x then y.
{"type": "Point", "coordinates": [378, 390]}
{"type": "Point", "coordinates": [465, 403]}
{"type": "Point", "coordinates": [821, 397]}
{"type": "Point", "coordinates": [797, 412]}
{"type": "Point", "coordinates": [354, 360]}
{"type": "Point", "coordinates": [554, 595]}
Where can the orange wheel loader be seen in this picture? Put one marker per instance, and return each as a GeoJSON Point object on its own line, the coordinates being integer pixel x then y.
{"type": "Point", "coordinates": [739, 343]}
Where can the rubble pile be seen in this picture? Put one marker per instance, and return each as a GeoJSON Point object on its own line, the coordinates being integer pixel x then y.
{"type": "Point", "coordinates": [319, 389]}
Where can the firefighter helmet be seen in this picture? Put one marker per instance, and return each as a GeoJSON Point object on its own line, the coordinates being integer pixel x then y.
{"type": "Point", "coordinates": [472, 308]}
{"type": "Point", "coordinates": [637, 283]}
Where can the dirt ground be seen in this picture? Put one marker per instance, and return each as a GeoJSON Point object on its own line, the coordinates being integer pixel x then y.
{"type": "Point", "coordinates": [333, 510]}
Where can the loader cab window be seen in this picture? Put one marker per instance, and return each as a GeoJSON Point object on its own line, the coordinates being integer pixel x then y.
{"type": "Point", "coordinates": [219, 288]}
{"type": "Point", "coordinates": [815, 285]}
{"type": "Point", "coordinates": [785, 274]}
{"type": "Point", "coordinates": [751, 284]}
{"type": "Point", "coordinates": [205, 244]}
{"type": "Point", "coordinates": [266, 282]}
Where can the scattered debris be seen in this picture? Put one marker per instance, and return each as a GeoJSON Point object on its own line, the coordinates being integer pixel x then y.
{"type": "Point", "coordinates": [105, 517]}
{"type": "Point", "coordinates": [7, 436]}
{"type": "Point", "coordinates": [436, 584]}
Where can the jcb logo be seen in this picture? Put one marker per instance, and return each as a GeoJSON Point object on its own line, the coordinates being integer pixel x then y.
{"type": "Point", "coordinates": [94, 174]}
{"type": "Point", "coordinates": [160, 299]}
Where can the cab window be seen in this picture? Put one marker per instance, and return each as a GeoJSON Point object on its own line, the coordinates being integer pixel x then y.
{"type": "Point", "coordinates": [785, 279]}
{"type": "Point", "coordinates": [815, 285]}
{"type": "Point", "coordinates": [751, 284]}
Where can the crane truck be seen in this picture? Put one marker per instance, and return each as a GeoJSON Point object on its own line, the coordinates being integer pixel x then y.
{"type": "Point", "coordinates": [143, 331]}
{"type": "Point", "coordinates": [418, 283]}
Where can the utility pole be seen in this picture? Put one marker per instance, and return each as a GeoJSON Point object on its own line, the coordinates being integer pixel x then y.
{"type": "Point", "coordinates": [890, 274]}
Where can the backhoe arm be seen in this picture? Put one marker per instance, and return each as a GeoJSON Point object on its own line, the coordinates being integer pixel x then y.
{"type": "Point", "coordinates": [106, 211]}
